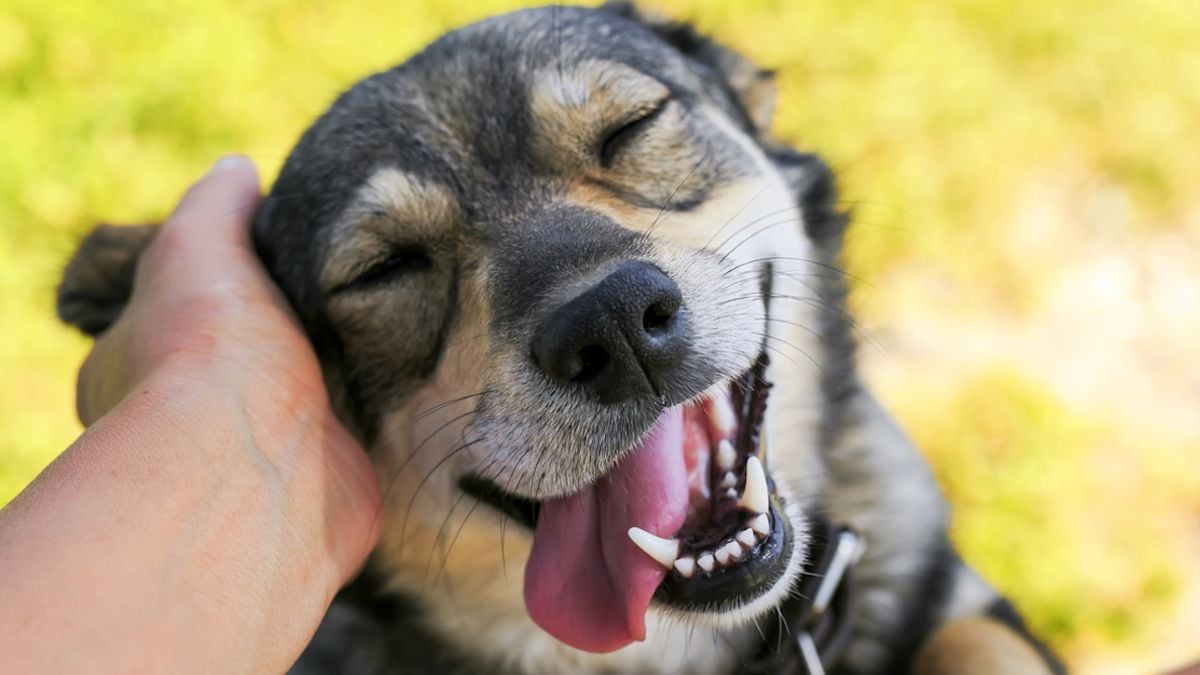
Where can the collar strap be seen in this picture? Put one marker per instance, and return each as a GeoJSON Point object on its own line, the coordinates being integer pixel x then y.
{"type": "Point", "coordinates": [816, 620]}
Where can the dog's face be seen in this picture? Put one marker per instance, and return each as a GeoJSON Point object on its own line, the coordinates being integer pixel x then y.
{"type": "Point", "coordinates": [561, 291]}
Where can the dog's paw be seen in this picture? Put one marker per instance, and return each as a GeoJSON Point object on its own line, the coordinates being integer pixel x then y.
{"type": "Point", "coordinates": [978, 646]}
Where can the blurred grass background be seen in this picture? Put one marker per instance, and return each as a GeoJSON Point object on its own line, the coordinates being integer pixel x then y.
{"type": "Point", "coordinates": [1023, 176]}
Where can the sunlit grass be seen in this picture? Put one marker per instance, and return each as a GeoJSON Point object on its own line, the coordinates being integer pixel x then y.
{"type": "Point", "coordinates": [980, 144]}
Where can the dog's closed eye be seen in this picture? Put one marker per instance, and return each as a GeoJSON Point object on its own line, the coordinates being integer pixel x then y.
{"type": "Point", "coordinates": [398, 262]}
{"type": "Point", "coordinates": [627, 130]}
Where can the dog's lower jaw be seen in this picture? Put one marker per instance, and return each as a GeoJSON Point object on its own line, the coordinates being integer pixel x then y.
{"type": "Point", "coordinates": [474, 601]}
{"type": "Point", "coordinates": [507, 638]}
{"type": "Point", "coordinates": [738, 617]}
{"type": "Point", "coordinates": [476, 604]}
{"type": "Point", "coordinates": [474, 598]}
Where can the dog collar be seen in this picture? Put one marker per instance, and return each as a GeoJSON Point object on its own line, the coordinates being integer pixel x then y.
{"type": "Point", "coordinates": [815, 622]}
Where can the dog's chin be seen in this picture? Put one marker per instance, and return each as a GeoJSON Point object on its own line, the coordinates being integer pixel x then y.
{"type": "Point", "coordinates": [740, 547]}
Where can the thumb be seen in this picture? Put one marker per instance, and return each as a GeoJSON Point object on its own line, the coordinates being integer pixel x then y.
{"type": "Point", "coordinates": [222, 198]}
{"type": "Point", "coordinates": [210, 227]}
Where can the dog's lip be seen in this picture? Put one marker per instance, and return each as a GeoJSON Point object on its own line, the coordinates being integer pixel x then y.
{"type": "Point", "coordinates": [750, 578]}
{"type": "Point", "coordinates": [522, 510]}
{"type": "Point", "coordinates": [743, 580]}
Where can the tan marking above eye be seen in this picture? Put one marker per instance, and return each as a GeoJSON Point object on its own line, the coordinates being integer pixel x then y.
{"type": "Point", "coordinates": [574, 105]}
{"type": "Point", "coordinates": [392, 209]}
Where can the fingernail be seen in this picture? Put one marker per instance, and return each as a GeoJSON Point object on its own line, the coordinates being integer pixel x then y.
{"type": "Point", "coordinates": [227, 163]}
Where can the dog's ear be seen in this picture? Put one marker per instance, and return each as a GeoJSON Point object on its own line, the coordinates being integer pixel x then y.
{"type": "Point", "coordinates": [99, 278]}
{"type": "Point", "coordinates": [750, 87]}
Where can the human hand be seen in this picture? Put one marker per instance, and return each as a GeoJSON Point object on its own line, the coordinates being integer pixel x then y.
{"type": "Point", "coordinates": [205, 316]}
{"type": "Point", "coordinates": [203, 308]}
{"type": "Point", "coordinates": [215, 504]}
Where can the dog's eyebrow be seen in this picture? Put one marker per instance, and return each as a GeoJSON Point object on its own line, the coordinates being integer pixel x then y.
{"type": "Point", "coordinates": [579, 100]}
{"type": "Point", "coordinates": [391, 208]}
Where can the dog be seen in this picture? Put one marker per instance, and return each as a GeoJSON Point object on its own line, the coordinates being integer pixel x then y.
{"type": "Point", "coordinates": [589, 320]}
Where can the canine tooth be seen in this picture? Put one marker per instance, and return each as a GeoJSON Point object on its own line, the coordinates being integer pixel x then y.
{"type": "Point", "coordinates": [731, 493]}
{"type": "Point", "coordinates": [756, 497]}
{"type": "Point", "coordinates": [726, 455]}
{"type": "Point", "coordinates": [721, 413]}
{"type": "Point", "coordinates": [722, 556]}
{"type": "Point", "coordinates": [729, 480]}
{"type": "Point", "coordinates": [706, 562]}
{"type": "Point", "coordinates": [734, 550]}
{"type": "Point", "coordinates": [747, 537]}
{"type": "Point", "coordinates": [686, 566]}
{"type": "Point", "coordinates": [761, 524]}
{"type": "Point", "coordinates": [662, 550]}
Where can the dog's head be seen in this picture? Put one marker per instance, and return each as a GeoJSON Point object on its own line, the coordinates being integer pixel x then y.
{"type": "Point", "coordinates": [564, 291]}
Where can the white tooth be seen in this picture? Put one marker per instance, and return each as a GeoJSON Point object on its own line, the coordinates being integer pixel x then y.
{"type": "Point", "coordinates": [722, 556]}
{"type": "Point", "coordinates": [756, 497]}
{"type": "Point", "coordinates": [662, 550]}
{"type": "Point", "coordinates": [726, 455]}
{"type": "Point", "coordinates": [734, 550]}
{"type": "Point", "coordinates": [761, 524]}
{"type": "Point", "coordinates": [686, 566]}
{"type": "Point", "coordinates": [729, 480]}
{"type": "Point", "coordinates": [747, 537]}
{"type": "Point", "coordinates": [731, 493]}
{"type": "Point", "coordinates": [705, 561]}
{"type": "Point", "coordinates": [721, 413]}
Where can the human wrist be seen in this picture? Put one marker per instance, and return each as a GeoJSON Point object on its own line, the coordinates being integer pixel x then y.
{"type": "Point", "coordinates": [285, 436]}
{"type": "Point", "coordinates": [166, 498]}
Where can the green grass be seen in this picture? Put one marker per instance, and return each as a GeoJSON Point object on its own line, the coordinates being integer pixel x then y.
{"type": "Point", "coordinates": [980, 143]}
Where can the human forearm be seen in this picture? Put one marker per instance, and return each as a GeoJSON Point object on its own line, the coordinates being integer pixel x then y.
{"type": "Point", "coordinates": [214, 505]}
{"type": "Point", "coordinates": [174, 531]}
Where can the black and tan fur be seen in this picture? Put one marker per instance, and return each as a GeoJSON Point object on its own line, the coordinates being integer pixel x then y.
{"type": "Point", "coordinates": [422, 226]}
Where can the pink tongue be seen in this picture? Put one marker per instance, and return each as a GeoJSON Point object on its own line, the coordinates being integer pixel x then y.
{"type": "Point", "coordinates": [586, 583]}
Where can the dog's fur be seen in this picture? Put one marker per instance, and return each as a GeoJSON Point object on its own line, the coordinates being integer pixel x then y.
{"type": "Point", "coordinates": [426, 221]}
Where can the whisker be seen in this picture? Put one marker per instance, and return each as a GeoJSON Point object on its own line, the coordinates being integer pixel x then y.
{"type": "Point", "coordinates": [421, 486]}
{"type": "Point", "coordinates": [429, 411]}
{"type": "Point", "coordinates": [756, 221]}
{"type": "Point", "coordinates": [808, 329]}
{"type": "Point", "coordinates": [462, 341]}
{"type": "Point", "coordinates": [734, 216]}
{"type": "Point", "coordinates": [441, 532]}
{"type": "Point", "coordinates": [806, 355]}
{"type": "Point", "coordinates": [818, 263]}
{"type": "Point", "coordinates": [413, 453]}
{"type": "Point", "coordinates": [779, 352]}
{"type": "Point", "coordinates": [671, 198]}
{"type": "Point", "coordinates": [699, 254]}
{"type": "Point", "coordinates": [752, 235]}
{"type": "Point", "coordinates": [450, 548]}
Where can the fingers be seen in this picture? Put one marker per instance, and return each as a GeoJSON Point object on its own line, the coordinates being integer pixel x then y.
{"type": "Point", "coordinates": [209, 231]}
{"type": "Point", "coordinates": [221, 202]}
{"type": "Point", "coordinates": [204, 250]}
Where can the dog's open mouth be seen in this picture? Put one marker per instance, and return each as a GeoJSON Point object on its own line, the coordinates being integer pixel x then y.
{"type": "Point", "coordinates": [689, 518]}
{"type": "Point", "coordinates": [732, 544]}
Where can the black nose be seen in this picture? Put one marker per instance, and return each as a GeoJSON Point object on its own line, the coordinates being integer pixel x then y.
{"type": "Point", "coordinates": [619, 338]}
